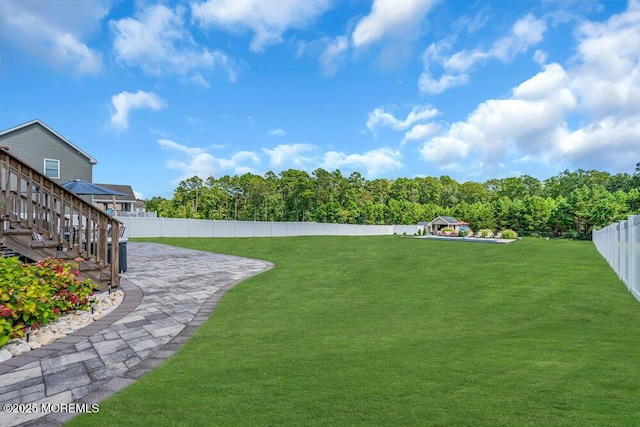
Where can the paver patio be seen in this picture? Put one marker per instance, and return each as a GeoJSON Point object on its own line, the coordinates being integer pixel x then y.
{"type": "Point", "coordinates": [169, 292]}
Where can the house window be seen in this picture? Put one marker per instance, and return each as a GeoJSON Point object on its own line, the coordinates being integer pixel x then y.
{"type": "Point", "coordinates": [52, 168]}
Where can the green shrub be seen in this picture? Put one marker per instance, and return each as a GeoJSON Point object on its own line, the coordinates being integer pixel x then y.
{"type": "Point", "coordinates": [575, 236]}
{"type": "Point", "coordinates": [509, 234]}
{"type": "Point", "coordinates": [35, 294]}
{"type": "Point", "coordinates": [486, 232]}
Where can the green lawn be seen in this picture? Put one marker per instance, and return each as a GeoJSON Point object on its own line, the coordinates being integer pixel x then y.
{"type": "Point", "coordinates": [398, 331]}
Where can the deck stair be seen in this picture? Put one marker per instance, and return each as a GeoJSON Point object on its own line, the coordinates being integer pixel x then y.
{"type": "Point", "coordinates": [40, 219]}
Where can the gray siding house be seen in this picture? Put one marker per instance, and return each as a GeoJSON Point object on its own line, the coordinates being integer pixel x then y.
{"type": "Point", "coordinates": [51, 154]}
{"type": "Point", "coordinates": [48, 152]}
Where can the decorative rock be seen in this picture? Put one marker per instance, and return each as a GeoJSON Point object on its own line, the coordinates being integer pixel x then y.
{"type": "Point", "coordinates": [46, 338]}
{"type": "Point", "coordinates": [68, 323]}
{"type": "Point", "coordinates": [5, 355]}
{"type": "Point", "coordinates": [19, 349]}
{"type": "Point", "coordinates": [33, 345]}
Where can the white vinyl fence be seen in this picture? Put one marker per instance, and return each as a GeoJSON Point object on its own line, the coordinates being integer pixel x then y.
{"type": "Point", "coordinates": [175, 227]}
{"type": "Point", "coordinates": [619, 244]}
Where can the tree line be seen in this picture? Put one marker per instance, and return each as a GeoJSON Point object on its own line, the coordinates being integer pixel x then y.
{"type": "Point", "coordinates": [573, 202]}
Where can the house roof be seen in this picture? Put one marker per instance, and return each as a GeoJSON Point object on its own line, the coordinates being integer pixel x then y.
{"type": "Point", "coordinates": [447, 219]}
{"type": "Point", "coordinates": [130, 196]}
{"type": "Point", "coordinates": [56, 134]}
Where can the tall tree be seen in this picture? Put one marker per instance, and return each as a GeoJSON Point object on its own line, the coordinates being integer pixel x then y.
{"type": "Point", "coordinates": [450, 194]}
{"type": "Point", "coordinates": [473, 192]}
{"type": "Point", "coordinates": [379, 190]}
{"type": "Point", "coordinates": [570, 201]}
{"type": "Point", "coordinates": [635, 181]}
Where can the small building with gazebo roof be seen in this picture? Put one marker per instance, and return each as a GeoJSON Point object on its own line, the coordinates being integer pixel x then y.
{"type": "Point", "coordinates": [437, 225]}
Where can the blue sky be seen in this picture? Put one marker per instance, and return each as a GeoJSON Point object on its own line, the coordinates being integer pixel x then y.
{"type": "Point", "coordinates": [160, 91]}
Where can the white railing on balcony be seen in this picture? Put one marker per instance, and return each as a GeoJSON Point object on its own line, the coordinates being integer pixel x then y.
{"type": "Point", "coordinates": [619, 244]}
{"type": "Point", "coordinates": [127, 214]}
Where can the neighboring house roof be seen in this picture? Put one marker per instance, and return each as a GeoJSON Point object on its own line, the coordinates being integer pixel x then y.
{"type": "Point", "coordinates": [62, 138]}
{"type": "Point", "coordinates": [130, 196]}
{"type": "Point", "coordinates": [447, 219]}
{"type": "Point", "coordinates": [139, 204]}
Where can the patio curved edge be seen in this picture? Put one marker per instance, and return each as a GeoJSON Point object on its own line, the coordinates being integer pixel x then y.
{"type": "Point", "coordinates": [169, 293]}
{"type": "Point", "coordinates": [166, 351]}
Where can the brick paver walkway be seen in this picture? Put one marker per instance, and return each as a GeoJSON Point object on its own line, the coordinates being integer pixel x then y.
{"type": "Point", "coordinates": [169, 292]}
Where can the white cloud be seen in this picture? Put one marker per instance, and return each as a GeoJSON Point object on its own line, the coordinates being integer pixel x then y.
{"type": "Point", "coordinates": [463, 61]}
{"type": "Point", "coordinates": [604, 144]}
{"type": "Point", "coordinates": [524, 34]}
{"type": "Point", "coordinates": [391, 17]}
{"type": "Point", "coordinates": [190, 161]}
{"type": "Point", "coordinates": [375, 162]}
{"type": "Point", "coordinates": [607, 79]}
{"type": "Point", "coordinates": [330, 52]}
{"type": "Point", "coordinates": [295, 154]}
{"type": "Point", "coordinates": [333, 54]}
{"type": "Point", "coordinates": [446, 150]}
{"type": "Point", "coordinates": [420, 132]}
{"type": "Point", "coordinates": [157, 41]}
{"type": "Point", "coordinates": [599, 92]}
{"type": "Point", "coordinates": [544, 84]}
{"type": "Point", "coordinates": [531, 121]}
{"type": "Point", "coordinates": [471, 24]}
{"type": "Point", "coordinates": [238, 159]}
{"type": "Point", "coordinates": [540, 57]}
{"type": "Point", "coordinates": [277, 132]}
{"type": "Point", "coordinates": [124, 102]}
{"type": "Point", "coordinates": [428, 84]}
{"type": "Point", "coordinates": [267, 20]}
{"type": "Point", "coordinates": [380, 118]}
{"type": "Point", "coordinates": [435, 54]}
{"type": "Point", "coordinates": [52, 33]}
{"type": "Point", "coordinates": [196, 161]}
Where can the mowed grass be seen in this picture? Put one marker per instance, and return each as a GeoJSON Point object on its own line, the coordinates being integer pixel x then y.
{"type": "Point", "coordinates": [398, 331]}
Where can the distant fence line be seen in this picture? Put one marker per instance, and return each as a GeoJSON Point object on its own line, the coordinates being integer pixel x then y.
{"type": "Point", "coordinates": [176, 227]}
{"type": "Point", "coordinates": [619, 244]}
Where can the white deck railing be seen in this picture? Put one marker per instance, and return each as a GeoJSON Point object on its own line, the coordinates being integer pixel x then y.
{"type": "Point", "coordinates": [619, 244]}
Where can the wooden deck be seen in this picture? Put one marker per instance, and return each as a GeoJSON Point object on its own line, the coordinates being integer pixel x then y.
{"type": "Point", "coordinates": [42, 219]}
